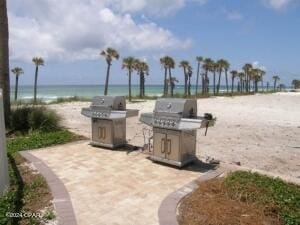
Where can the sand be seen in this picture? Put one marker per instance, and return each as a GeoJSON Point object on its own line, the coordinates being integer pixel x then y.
{"type": "Point", "coordinates": [262, 132]}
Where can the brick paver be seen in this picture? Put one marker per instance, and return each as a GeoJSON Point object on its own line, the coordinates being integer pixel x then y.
{"type": "Point", "coordinates": [114, 186]}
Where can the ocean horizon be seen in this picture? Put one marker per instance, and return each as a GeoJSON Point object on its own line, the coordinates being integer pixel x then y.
{"type": "Point", "coordinates": [52, 92]}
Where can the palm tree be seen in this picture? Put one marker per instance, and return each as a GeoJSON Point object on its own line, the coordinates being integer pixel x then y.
{"type": "Point", "coordinates": [207, 64]}
{"type": "Point", "coordinates": [296, 84]}
{"type": "Point", "coordinates": [172, 84]}
{"type": "Point", "coordinates": [109, 54]}
{"type": "Point", "coordinates": [199, 60]}
{"type": "Point", "coordinates": [38, 61]}
{"type": "Point", "coordinates": [256, 76]}
{"type": "Point", "coordinates": [164, 63]}
{"type": "Point", "coordinates": [220, 65]}
{"type": "Point", "coordinates": [185, 66]}
{"type": "Point", "coordinates": [142, 69]}
{"type": "Point", "coordinates": [4, 59]}
{"type": "Point", "coordinates": [275, 78]}
{"type": "Point", "coordinates": [262, 73]}
{"type": "Point", "coordinates": [170, 65]}
{"type": "Point", "coordinates": [226, 66]}
{"type": "Point", "coordinates": [129, 63]}
{"type": "Point", "coordinates": [241, 76]}
{"type": "Point", "coordinates": [214, 68]}
{"type": "Point", "coordinates": [190, 73]}
{"type": "Point", "coordinates": [17, 71]}
{"type": "Point", "coordinates": [247, 70]}
{"type": "Point", "coordinates": [234, 74]}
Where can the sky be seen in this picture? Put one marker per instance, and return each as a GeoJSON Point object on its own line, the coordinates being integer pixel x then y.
{"type": "Point", "coordinates": [70, 34]}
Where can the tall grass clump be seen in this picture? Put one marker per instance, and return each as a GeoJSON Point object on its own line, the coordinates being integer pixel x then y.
{"type": "Point", "coordinates": [25, 119]}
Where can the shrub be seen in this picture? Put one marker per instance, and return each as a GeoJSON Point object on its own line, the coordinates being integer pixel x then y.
{"type": "Point", "coordinates": [32, 118]}
{"type": "Point", "coordinates": [39, 140]}
{"type": "Point", "coordinates": [43, 119]}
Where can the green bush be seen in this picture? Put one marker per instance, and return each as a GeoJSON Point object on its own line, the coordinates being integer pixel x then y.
{"type": "Point", "coordinates": [32, 118]}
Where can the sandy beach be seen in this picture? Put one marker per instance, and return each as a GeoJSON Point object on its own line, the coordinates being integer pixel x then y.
{"type": "Point", "coordinates": [262, 132]}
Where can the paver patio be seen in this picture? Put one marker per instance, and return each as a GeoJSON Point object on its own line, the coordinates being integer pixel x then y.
{"type": "Point", "coordinates": [114, 187]}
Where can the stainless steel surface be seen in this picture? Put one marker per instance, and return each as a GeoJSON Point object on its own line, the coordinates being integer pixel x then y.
{"type": "Point", "coordinates": [108, 115]}
{"type": "Point", "coordinates": [174, 123]}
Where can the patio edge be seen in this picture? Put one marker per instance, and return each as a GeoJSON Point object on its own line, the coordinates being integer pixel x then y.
{"type": "Point", "coordinates": [167, 210]}
{"type": "Point", "coordinates": [61, 199]}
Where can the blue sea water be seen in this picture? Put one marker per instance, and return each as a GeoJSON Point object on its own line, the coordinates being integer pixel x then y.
{"type": "Point", "coordinates": [52, 92]}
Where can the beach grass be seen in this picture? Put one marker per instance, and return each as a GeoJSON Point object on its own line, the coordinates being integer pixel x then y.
{"type": "Point", "coordinates": [253, 187]}
{"type": "Point", "coordinates": [242, 198]}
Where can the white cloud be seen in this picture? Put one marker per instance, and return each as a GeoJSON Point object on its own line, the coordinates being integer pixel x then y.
{"type": "Point", "coordinates": [151, 7]}
{"type": "Point", "coordinates": [277, 4]}
{"type": "Point", "coordinates": [76, 29]}
{"type": "Point", "coordinates": [257, 65]}
{"type": "Point", "coordinates": [232, 15]}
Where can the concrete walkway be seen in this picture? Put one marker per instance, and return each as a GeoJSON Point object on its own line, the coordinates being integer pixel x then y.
{"type": "Point", "coordinates": [114, 187]}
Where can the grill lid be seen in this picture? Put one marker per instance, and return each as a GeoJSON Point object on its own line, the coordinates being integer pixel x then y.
{"type": "Point", "coordinates": [177, 114]}
{"type": "Point", "coordinates": [185, 108]}
{"type": "Point", "coordinates": [109, 102]}
{"type": "Point", "coordinates": [108, 107]}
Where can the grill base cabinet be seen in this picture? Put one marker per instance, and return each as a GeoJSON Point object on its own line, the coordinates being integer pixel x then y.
{"type": "Point", "coordinates": [108, 133]}
{"type": "Point", "coordinates": [174, 147]}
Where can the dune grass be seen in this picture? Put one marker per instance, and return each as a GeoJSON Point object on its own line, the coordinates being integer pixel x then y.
{"type": "Point", "coordinates": [253, 187]}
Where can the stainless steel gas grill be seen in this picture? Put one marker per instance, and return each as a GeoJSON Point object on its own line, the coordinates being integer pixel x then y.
{"type": "Point", "coordinates": [174, 124]}
{"type": "Point", "coordinates": [108, 115]}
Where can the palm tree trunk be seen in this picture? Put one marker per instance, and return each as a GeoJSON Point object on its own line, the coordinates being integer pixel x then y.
{"type": "Point", "coordinates": [141, 85]}
{"type": "Point", "coordinates": [129, 85]}
{"type": "Point", "coordinates": [170, 79]}
{"type": "Point", "coordinates": [205, 81]}
{"type": "Point", "coordinates": [232, 84]}
{"type": "Point", "coordinates": [214, 82]}
{"type": "Point", "coordinates": [197, 79]}
{"type": "Point", "coordinates": [35, 83]}
{"type": "Point", "coordinates": [106, 80]}
{"type": "Point", "coordinates": [219, 81]}
{"type": "Point", "coordinates": [16, 87]}
{"type": "Point", "coordinates": [275, 84]}
{"type": "Point", "coordinates": [202, 76]}
{"type": "Point", "coordinates": [226, 76]}
{"type": "Point", "coordinates": [165, 83]}
{"type": "Point", "coordinates": [185, 82]}
{"type": "Point", "coordinates": [4, 60]}
{"type": "Point", "coordinates": [189, 86]}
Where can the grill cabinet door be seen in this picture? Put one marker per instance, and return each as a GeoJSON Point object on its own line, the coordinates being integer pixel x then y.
{"type": "Point", "coordinates": [173, 147]}
{"type": "Point", "coordinates": [159, 142]}
{"type": "Point", "coordinates": [102, 131]}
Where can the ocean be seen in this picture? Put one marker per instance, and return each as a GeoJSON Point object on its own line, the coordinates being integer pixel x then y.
{"type": "Point", "coordinates": [51, 92]}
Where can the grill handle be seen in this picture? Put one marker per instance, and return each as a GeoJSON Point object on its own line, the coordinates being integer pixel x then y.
{"type": "Point", "coordinates": [169, 146]}
{"type": "Point", "coordinates": [163, 145]}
